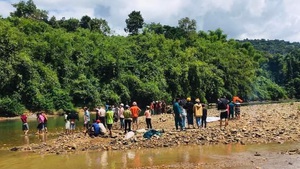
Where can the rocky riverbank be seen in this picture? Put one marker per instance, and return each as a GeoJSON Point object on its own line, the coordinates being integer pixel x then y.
{"type": "Point", "coordinates": [267, 123]}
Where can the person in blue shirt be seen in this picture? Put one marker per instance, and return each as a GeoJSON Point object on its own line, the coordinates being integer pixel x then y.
{"type": "Point", "coordinates": [96, 128]}
{"type": "Point", "coordinates": [231, 110]}
{"type": "Point", "coordinates": [177, 114]}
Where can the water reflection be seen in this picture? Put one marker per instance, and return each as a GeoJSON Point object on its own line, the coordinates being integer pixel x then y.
{"type": "Point", "coordinates": [104, 161]}
{"type": "Point", "coordinates": [124, 160]}
{"type": "Point", "coordinates": [133, 158]}
{"type": "Point", "coordinates": [26, 140]}
{"type": "Point", "coordinates": [42, 137]}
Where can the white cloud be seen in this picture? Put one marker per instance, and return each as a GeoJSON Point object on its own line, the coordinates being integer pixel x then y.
{"type": "Point", "coordinates": [6, 8]}
{"type": "Point", "coordinates": [268, 19]}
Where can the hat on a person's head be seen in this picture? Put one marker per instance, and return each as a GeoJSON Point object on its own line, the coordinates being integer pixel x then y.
{"type": "Point", "coordinates": [122, 104]}
{"type": "Point", "coordinates": [127, 106]}
{"type": "Point", "coordinates": [197, 100]}
{"type": "Point", "coordinates": [134, 103]}
{"type": "Point", "coordinates": [188, 99]}
{"type": "Point", "coordinates": [148, 107]}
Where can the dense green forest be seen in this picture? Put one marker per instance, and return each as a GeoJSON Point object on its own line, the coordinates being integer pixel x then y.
{"type": "Point", "coordinates": [49, 64]}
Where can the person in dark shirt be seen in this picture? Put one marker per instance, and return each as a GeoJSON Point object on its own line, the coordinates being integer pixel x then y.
{"type": "Point", "coordinates": [177, 114]}
{"type": "Point", "coordinates": [222, 107]}
{"type": "Point", "coordinates": [204, 116]}
{"type": "Point", "coordinates": [189, 110]}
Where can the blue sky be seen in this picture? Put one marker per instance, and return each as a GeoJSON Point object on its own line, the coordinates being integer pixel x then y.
{"type": "Point", "coordinates": [239, 19]}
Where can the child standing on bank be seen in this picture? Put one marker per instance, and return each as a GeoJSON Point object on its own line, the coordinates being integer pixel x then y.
{"type": "Point", "coordinates": [148, 117]}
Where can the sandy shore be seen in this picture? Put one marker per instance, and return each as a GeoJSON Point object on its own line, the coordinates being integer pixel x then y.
{"type": "Point", "coordinates": [267, 123]}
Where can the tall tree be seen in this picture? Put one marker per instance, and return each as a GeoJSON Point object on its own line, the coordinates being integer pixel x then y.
{"type": "Point", "coordinates": [70, 25]}
{"type": "Point", "coordinates": [100, 25]}
{"type": "Point", "coordinates": [53, 22]}
{"type": "Point", "coordinates": [85, 22]}
{"type": "Point", "coordinates": [29, 10]}
{"type": "Point", "coordinates": [134, 22]}
{"type": "Point", "coordinates": [187, 24]}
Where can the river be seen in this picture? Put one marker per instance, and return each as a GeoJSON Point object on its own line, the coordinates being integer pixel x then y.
{"type": "Point", "coordinates": [217, 156]}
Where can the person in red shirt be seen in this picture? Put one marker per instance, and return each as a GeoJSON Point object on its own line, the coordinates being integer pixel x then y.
{"type": "Point", "coordinates": [135, 111]}
{"type": "Point", "coordinates": [25, 126]}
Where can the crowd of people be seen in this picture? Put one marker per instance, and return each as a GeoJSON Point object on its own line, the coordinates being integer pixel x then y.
{"type": "Point", "coordinates": [187, 114]}
{"type": "Point", "coordinates": [186, 109]}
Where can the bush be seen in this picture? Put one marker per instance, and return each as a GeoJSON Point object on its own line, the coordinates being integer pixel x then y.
{"type": "Point", "coordinates": [11, 107]}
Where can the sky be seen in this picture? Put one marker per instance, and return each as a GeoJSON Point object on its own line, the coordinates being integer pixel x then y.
{"type": "Point", "coordinates": [239, 19]}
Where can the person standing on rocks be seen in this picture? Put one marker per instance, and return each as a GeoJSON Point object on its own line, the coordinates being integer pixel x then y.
{"type": "Point", "coordinates": [102, 114]}
{"type": "Point", "coordinates": [72, 117]}
{"type": "Point", "coordinates": [97, 113]}
{"type": "Point", "coordinates": [86, 118]}
{"type": "Point", "coordinates": [222, 107]}
{"type": "Point", "coordinates": [237, 110]}
{"type": "Point", "coordinates": [231, 110]}
{"type": "Point", "coordinates": [135, 111]}
{"type": "Point", "coordinates": [204, 116]}
{"type": "Point", "coordinates": [127, 119]}
{"type": "Point", "coordinates": [198, 112]}
{"type": "Point", "coordinates": [148, 117]}
{"type": "Point", "coordinates": [236, 99]}
{"type": "Point", "coordinates": [152, 107]}
{"type": "Point", "coordinates": [109, 120]}
{"type": "Point", "coordinates": [183, 115]}
{"type": "Point", "coordinates": [67, 123]}
{"type": "Point", "coordinates": [177, 114]}
{"type": "Point", "coordinates": [121, 116]}
{"type": "Point", "coordinates": [163, 107]}
{"type": "Point", "coordinates": [25, 126]}
{"type": "Point", "coordinates": [189, 110]}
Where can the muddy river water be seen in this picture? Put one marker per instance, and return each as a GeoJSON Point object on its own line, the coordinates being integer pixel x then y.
{"type": "Point", "coordinates": [220, 156]}
{"type": "Point", "coordinates": [216, 156]}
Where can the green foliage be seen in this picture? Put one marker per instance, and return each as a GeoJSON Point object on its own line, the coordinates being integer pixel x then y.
{"type": "Point", "coordinates": [29, 10]}
{"type": "Point", "coordinates": [134, 22]}
{"type": "Point", "coordinates": [62, 100]}
{"type": "Point", "coordinates": [265, 89]}
{"type": "Point", "coordinates": [67, 63]}
{"type": "Point", "coordinates": [11, 106]}
{"type": "Point", "coordinates": [187, 25]}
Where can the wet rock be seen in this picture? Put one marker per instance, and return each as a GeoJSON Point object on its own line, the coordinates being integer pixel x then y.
{"type": "Point", "coordinates": [233, 131]}
{"type": "Point", "coordinates": [257, 154]}
{"type": "Point", "coordinates": [114, 148]}
{"type": "Point", "coordinates": [186, 141]}
{"type": "Point", "coordinates": [14, 149]}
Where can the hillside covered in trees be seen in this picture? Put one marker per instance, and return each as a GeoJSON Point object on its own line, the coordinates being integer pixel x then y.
{"type": "Point", "coordinates": [49, 64]}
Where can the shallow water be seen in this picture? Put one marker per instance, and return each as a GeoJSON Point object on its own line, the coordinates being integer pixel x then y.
{"type": "Point", "coordinates": [11, 133]}
{"type": "Point", "coordinates": [184, 156]}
